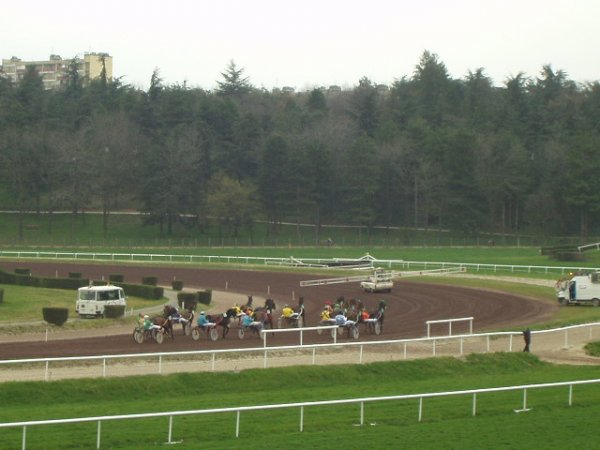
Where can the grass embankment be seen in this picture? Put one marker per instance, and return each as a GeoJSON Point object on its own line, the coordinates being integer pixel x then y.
{"type": "Point", "coordinates": [447, 422]}
{"type": "Point", "coordinates": [24, 304]}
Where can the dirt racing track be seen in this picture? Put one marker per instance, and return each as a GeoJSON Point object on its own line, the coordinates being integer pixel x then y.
{"type": "Point", "coordinates": [409, 306]}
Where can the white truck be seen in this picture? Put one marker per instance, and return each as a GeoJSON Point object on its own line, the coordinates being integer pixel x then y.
{"type": "Point", "coordinates": [579, 290]}
{"type": "Point", "coordinates": [380, 281]}
{"type": "Point", "coordinates": [92, 299]}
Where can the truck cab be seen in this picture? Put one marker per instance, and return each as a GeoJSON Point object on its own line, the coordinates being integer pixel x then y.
{"type": "Point", "coordinates": [91, 300]}
{"type": "Point", "coordinates": [580, 290]}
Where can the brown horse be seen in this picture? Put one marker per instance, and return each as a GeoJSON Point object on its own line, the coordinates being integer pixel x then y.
{"type": "Point", "coordinates": [171, 313]}
{"type": "Point", "coordinates": [165, 324]}
{"type": "Point", "coordinates": [264, 314]}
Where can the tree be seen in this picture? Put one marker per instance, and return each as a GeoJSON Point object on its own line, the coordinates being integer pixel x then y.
{"type": "Point", "coordinates": [365, 109]}
{"type": "Point", "coordinates": [234, 83]}
{"type": "Point", "coordinates": [231, 202]}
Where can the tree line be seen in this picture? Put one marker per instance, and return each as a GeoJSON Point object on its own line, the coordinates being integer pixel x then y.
{"type": "Point", "coordinates": [429, 151]}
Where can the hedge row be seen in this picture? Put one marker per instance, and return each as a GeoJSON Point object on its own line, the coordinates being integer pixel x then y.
{"type": "Point", "coordinates": [114, 311]}
{"type": "Point", "coordinates": [72, 283]}
{"type": "Point", "coordinates": [191, 299]}
{"type": "Point", "coordinates": [57, 316]}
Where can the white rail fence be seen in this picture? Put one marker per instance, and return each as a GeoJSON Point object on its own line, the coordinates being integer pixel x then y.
{"type": "Point", "coordinates": [307, 262]}
{"type": "Point", "coordinates": [327, 353]}
{"type": "Point", "coordinates": [449, 322]}
{"type": "Point", "coordinates": [301, 406]}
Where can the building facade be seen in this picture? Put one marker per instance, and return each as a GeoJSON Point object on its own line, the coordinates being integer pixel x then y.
{"type": "Point", "coordinates": [54, 72]}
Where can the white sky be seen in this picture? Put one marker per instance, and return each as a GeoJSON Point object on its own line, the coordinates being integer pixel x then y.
{"type": "Point", "coordinates": [308, 43]}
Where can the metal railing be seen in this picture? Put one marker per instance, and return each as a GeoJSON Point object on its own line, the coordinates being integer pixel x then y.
{"type": "Point", "coordinates": [389, 263]}
{"type": "Point", "coordinates": [238, 410]}
{"type": "Point", "coordinates": [449, 322]}
{"type": "Point", "coordinates": [420, 347]}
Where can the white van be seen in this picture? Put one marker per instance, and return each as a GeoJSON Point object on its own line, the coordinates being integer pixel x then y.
{"type": "Point", "coordinates": [92, 299]}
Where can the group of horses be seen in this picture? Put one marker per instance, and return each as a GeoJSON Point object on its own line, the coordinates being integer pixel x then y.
{"type": "Point", "coordinates": [263, 318]}
{"type": "Point", "coordinates": [355, 311]}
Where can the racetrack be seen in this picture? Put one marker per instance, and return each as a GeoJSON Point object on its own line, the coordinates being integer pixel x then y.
{"type": "Point", "coordinates": [409, 305]}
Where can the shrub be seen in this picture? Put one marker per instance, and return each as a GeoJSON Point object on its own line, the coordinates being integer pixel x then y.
{"type": "Point", "coordinates": [114, 311]}
{"type": "Point", "coordinates": [569, 256]}
{"type": "Point", "coordinates": [57, 316]}
{"type": "Point", "coordinates": [205, 296]}
{"type": "Point", "coordinates": [187, 300]}
{"type": "Point", "coordinates": [116, 278]}
{"type": "Point", "coordinates": [74, 274]}
{"type": "Point", "coordinates": [150, 281]}
{"type": "Point", "coordinates": [62, 283]}
{"type": "Point", "coordinates": [22, 271]}
{"type": "Point", "coordinates": [177, 285]}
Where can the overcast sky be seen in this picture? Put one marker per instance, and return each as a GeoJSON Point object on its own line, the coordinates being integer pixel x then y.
{"type": "Point", "coordinates": [308, 43]}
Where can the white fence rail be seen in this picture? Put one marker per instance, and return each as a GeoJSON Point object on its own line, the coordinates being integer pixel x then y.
{"type": "Point", "coordinates": [449, 322]}
{"type": "Point", "coordinates": [389, 263]}
{"type": "Point", "coordinates": [235, 359]}
{"type": "Point", "coordinates": [301, 406]}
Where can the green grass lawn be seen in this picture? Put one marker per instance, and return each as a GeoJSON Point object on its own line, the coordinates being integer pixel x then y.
{"type": "Point", "coordinates": [23, 304]}
{"type": "Point", "coordinates": [447, 422]}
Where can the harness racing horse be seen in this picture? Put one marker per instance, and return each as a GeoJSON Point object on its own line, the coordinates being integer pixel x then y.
{"type": "Point", "coordinates": [186, 319]}
{"type": "Point", "coordinates": [264, 314]}
{"type": "Point", "coordinates": [224, 320]}
{"type": "Point", "coordinates": [165, 324]}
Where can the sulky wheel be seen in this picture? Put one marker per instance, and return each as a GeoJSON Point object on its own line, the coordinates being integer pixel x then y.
{"type": "Point", "coordinates": [241, 333]}
{"type": "Point", "coordinates": [159, 337]}
{"type": "Point", "coordinates": [377, 328]}
{"type": "Point", "coordinates": [213, 334]}
{"type": "Point", "coordinates": [195, 333]}
{"type": "Point", "coordinates": [138, 336]}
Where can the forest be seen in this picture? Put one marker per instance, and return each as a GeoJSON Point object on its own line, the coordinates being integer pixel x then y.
{"type": "Point", "coordinates": [428, 151]}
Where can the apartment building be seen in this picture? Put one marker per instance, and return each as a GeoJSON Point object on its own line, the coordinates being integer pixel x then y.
{"type": "Point", "coordinates": [54, 71]}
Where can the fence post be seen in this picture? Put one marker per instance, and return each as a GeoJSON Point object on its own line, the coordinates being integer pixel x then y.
{"type": "Point", "coordinates": [570, 395]}
{"type": "Point", "coordinates": [237, 424]}
{"type": "Point", "coordinates": [170, 434]}
{"type": "Point", "coordinates": [301, 419]}
{"type": "Point", "coordinates": [99, 429]}
{"type": "Point", "coordinates": [420, 408]}
{"type": "Point", "coordinates": [24, 438]}
{"type": "Point", "coordinates": [474, 403]}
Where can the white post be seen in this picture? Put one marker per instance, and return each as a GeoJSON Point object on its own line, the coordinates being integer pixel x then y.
{"type": "Point", "coordinates": [24, 438]}
{"type": "Point", "coordinates": [265, 359]}
{"type": "Point", "coordinates": [226, 285]}
{"type": "Point", "coordinates": [301, 335]}
{"type": "Point", "coordinates": [570, 395]}
{"type": "Point", "coordinates": [314, 356]}
{"type": "Point", "coordinates": [98, 434]}
{"type": "Point", "coordinates": [213, 361]}
{"type": "Point", "coordinates": [360, 354]}
{"type": "Point", "coordinates": [450, 328]}
{"type": "Point", "coordinates": [405, 350]}
{"type": "Point", "coordinates": [237, 425]}
{"type": "Point", "coordinates": [433, 347]}
{"type": "Point", "coordinates": [301, 419]}
{"type": "Point", "coordinates": [170, 430]}
{"type": "Point", "coordinates": [362, 413]}
{"type": "Point", "coordinates": [428, 328]}
{"type": "Point", "coordinates": [46, 338]}
{"type": "Point", "coordinates": [160, 364]}
{"type": "Point", "coordinates": [474, 403]}
{"type": "Point", "coordinates": [461, 346]}
{"type": "Point", "coordinates": [420, 408]}
{"type": "Point", "coordinates": [269, 289]}
{"type": "Point", "coordinates": [47, 372]}
{"type": "Point", "coordinates": [104, 367]}
{"type": "Point", "coordinates": [510, 343]}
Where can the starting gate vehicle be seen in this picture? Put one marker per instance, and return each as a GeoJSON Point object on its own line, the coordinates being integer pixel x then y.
{"type": "Point", "coordinates": [380, 280]}
{"type": "Point", "coordinates": [91, 299]}
{"type": "Point", "coordinates": [581, 289]}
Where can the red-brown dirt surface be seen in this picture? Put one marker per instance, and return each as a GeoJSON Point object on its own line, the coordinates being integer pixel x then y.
{"type": "Point", "coordinates": [409, 305]}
